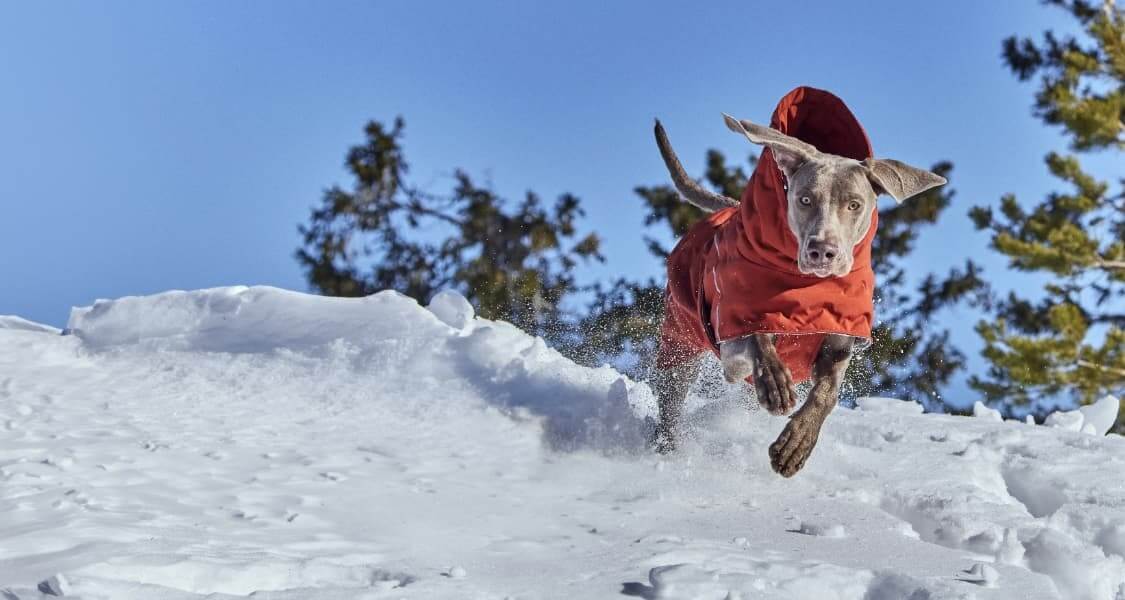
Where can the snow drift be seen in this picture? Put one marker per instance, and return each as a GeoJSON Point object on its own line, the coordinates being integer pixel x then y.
{"type": "Point", "coordinates": [240, 441]}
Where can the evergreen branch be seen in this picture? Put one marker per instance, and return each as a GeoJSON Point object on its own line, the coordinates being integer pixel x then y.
{"type": "Point", "coordinates": [1110, 265]}
{"type": "Point", "coordinates": [1118, 320]}
{"type": "Point", "coordinates": [413, 205]}
{"type": "Point", "coordinates": [1090, 365]}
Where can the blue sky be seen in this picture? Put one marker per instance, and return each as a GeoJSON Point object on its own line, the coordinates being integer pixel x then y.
{"type": "Point", "coordinates": [147, 146]}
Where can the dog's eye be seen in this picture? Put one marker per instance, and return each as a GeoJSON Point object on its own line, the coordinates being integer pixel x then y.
{"type": "Point", "coordinates": [853, 205]}
{"type": "Point", "coordinates": [805, 200]}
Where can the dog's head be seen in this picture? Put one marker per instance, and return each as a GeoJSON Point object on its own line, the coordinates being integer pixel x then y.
{"type": "Point", "coordinates": [831, 198]}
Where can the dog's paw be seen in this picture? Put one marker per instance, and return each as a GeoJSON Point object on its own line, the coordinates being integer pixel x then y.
{"type": "Point", "coordinates": [663, 441]}
{"type": "Point", "coordinates": [774, 385]}
{"type": "Point", "coordinates": [737, 368]}
{"type": "Point", "coordinates": [795, 444]}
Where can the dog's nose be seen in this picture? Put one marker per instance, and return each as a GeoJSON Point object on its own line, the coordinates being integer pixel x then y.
{"type": "Point", "coordinates": [821, 251]}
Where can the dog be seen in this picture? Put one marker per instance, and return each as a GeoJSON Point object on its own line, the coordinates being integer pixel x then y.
{"type": "Point", "coordinates": [779, 285]}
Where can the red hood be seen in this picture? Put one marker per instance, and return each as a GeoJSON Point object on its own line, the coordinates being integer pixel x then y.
{"type": "Point", "coordinates": [823, 120]}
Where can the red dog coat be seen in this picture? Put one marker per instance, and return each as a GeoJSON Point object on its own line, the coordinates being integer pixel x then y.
{"type": "Point", "coordinates": [735, 273]}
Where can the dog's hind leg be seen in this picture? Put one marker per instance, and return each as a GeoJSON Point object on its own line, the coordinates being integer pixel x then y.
{"type": "Point", "coordinates": [671, 386]}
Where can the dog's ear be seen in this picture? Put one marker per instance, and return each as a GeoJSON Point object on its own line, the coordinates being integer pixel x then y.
{"type": "Point", "coordinates": [899, 180]}
{"type": "Point", "coordinates": [788, 152]}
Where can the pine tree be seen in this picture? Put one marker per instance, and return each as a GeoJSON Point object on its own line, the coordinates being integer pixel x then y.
{"type": "Point", "coordinates": [515, 263]}
{"type": "Point", "coordinates": [909, 356]}
{"type": "Point", "coordinates": [1070, 341]}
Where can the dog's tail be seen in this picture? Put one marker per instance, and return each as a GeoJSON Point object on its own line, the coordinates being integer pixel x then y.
{"type": "Point", "coordinates": [688, 187]}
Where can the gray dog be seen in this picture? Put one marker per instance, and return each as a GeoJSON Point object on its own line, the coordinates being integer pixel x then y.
{"type": "Point", "coordinates": [829, 207]}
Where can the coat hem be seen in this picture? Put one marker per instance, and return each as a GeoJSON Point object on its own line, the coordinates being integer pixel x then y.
{"type": "Point", "coordinates": [865, 341]}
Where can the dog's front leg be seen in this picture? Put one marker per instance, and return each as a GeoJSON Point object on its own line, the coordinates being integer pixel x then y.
{"type": "Point", "coordinates": [756, 355]}
{"type": "Point", "coordinates": [793, 447]}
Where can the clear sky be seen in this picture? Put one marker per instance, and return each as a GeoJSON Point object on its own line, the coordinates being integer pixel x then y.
{"type": "Point", "coordinates": [147, 146]}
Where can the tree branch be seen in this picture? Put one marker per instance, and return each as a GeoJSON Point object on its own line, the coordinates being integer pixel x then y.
{"type": "Point", "coordinates": [1110, 265]}
{"type": "Point", "coordinates": [1090, 365]}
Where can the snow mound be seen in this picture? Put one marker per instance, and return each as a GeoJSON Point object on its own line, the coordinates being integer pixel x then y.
{"type": "Point", "coordinates": [875, 404]}
{"type": "Point", "coordinates": [251, 441]}
{"type": "Point", "coordinates": [452, 308]}
{"type": "Point", "coordinates": [1095, 419]}
{"type": "Point", "coordinates": [247, 320]}
{"type": "Point", "coordinates": [20, 324]}
{"type": "Point", "coordinates": [1071, 420]}
{"type": "Point", "coordinates": [981, 411]}
{"type": "Point", "coordinates": [514, 370]}
{"type": "Point", "coordinates": [1102, 414]}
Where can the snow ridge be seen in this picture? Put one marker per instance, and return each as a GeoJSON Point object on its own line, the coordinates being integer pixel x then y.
{"type": "Point", "coordinates": [250, 440]}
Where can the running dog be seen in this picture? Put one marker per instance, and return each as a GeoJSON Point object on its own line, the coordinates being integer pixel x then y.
{"type": "Point", "coordinates": [779, 285]}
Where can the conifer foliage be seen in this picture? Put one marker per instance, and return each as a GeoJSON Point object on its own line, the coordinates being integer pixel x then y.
{"type": "Point", "coordinates": [513, 261]}
{"type": "Point", "coordinates": [1068, 340]}
{"type": "Point", "coordinates": [911, 357]}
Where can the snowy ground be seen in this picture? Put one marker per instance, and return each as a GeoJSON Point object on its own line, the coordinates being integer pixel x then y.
{"type": "Point", "coordinates": [252, 440]}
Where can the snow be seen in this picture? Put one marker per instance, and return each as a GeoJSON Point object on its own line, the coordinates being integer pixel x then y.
{"type": "Point", "coordinates": [833, 530]}
{"type": "Point", "coordinates": [1094, 419]}
{"type": "Point", "coordinates": [1101, 415]}
{"type": "Point", "coordinates": [452, 309]}
{"type": "Point", "coordinates": [1071, 420]}
{"type": "Point", "coordinates": [982, 574]}
{"type": "Point", "coordinates": [875, 404]}
{"type": "Point", "coordinates": [983, 412]}
{"type": "Point", "coordinates": [17, 323]}
{"type": "Point", "coordinates": [250, 440]}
